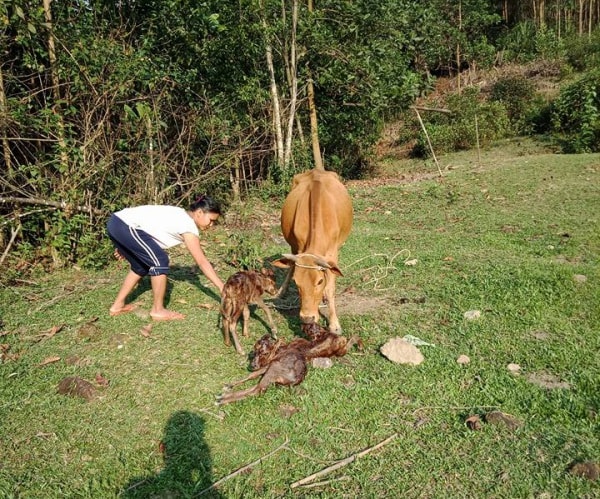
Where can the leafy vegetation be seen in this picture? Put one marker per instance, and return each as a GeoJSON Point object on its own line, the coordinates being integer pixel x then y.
{"type": "Point", "coordinates": [106, 104]}
{"type": "Point", "coordinates": [512, 233]}
{"type": "Point", "coordinates": [576, 115]}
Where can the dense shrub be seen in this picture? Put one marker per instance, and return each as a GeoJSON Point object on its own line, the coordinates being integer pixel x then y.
{"type": "Point", "coordinates": [470, 118]}
{"type": "Point", "coordinates": [582, 52]}
{"type": "Point", "coordinates": [517, 94]}
{"type": "Point", "coordinates": [576, 115]}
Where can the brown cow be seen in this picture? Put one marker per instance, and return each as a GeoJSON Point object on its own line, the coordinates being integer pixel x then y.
{"type": "Point", "coordinates": [316, 219]}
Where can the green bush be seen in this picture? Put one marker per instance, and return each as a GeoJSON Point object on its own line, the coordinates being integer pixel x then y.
{"type": "Point", "coordinates": [517, 94]}
{"type": "Point", "coordinates": [576, 115]}
{"type": "Point", "coordinates": [583, 53]}
{"type": "Point", "coordinates": [470, 117]}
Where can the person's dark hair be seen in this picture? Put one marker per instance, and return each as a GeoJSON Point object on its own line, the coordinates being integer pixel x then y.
{"type": "Point", "coordinates": [206, 204]}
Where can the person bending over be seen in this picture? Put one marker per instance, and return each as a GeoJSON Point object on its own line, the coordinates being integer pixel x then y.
{"type": "Point", "coordinates": [141, 234]}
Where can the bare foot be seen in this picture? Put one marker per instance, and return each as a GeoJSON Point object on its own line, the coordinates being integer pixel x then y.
{"type": "Point", "coordinates": [125, 309]}
{"type": "Point", "coordinates": [167, 315]}
{"type": "Point", "coordinates": [118, 256]}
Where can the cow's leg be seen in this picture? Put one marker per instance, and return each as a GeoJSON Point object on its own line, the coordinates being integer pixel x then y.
{"type": "Point", "coordinates": [286, 283]}
{"type": "Point", "coordinates": [334, 323]}
{"type": "Point", "coordinates": [264, 307]}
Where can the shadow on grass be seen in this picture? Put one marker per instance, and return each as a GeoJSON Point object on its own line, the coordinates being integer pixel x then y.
{"type": "Point", "coordinates": [177, 273]}
{"type": "Point", "coordinates": [187, 462]}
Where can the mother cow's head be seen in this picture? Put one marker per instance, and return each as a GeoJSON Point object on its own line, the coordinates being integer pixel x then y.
{"type": "Point", "coordinates": [315, 279]}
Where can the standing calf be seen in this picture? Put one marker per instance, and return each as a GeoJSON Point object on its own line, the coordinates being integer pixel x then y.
{"type": "Point", "coordinates": [285, 364]}
{"type": "Point", "coordinates": [241, 290]}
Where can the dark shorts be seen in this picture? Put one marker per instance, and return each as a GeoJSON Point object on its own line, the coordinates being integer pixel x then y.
{"type": "Point", "coordinates": [142, 252]}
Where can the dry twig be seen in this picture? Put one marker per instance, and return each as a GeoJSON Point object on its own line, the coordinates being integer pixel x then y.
{"type": "Point", "coordinates": [342, 463]}
{"type": "Point", "coordinates": [243, 468]}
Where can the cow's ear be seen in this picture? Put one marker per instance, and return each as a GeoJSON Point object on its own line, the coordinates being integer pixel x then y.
{"type": "Point", "coordinates": [282, 263]}
{"type": "Point", "coordinates": [335, 269]}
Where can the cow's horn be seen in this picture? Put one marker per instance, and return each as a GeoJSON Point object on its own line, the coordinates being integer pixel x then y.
{"type": "Point", "coordinates": [289, 256]}
{"type": "Point", "coordinates": [322, 263]}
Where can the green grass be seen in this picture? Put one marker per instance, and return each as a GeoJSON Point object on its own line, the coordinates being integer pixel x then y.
{"type": "Point", "coordinates": [505, 236]}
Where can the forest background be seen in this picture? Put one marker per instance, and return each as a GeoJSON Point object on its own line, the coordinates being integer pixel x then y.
{"type": "Point", "coordinates": [106, 104]}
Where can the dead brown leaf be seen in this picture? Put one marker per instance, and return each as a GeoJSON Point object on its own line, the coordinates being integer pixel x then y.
{"type": "Point", "coordinates": [287, 411]}
{"type": "Point", "coordinates": [49, 360]}
{"type": "Point", "coordinates": [473, 422]}
{"type": "Point", "coordinates": [44, 335]}
{"type": "Point", "coordinates": [208, 306]}
{"type": "Point", "coordinates": [146, 330]}
{"type": "Point", "coordinates": [101, 380]}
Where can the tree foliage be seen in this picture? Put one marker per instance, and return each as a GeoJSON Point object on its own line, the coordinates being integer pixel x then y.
{"type": "Point", "coordinates": [105, 104]}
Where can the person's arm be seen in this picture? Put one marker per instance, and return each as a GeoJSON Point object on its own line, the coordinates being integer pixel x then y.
{"type": "Point", "coordinates": [192, 243]}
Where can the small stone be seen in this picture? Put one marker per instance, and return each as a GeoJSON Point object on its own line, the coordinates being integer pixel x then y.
{"type": "Point", "coordinates": [463, 359]}
{"type": "Point", "coordinates": [322, 362]}
{"type": "Point", "coordinates": [399, 351]}
{"type": "Point", "coordinates": [471, 315]}
{"type": "Point", "coordinates": [579, 278]}
{"type": "Point", "coordinates": [514, 368]}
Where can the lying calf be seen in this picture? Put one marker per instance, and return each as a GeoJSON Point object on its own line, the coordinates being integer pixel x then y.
{"type": "Point", "coordinates": [286, 364]}
{"type": "Point", "coordinates": [241, 290]}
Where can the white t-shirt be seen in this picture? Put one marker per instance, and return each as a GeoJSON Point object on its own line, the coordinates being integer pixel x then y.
{"type": "Point", "coordinates": [165, 224]}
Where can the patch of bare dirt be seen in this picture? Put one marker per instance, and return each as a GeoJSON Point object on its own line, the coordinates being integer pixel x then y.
{"type": "Point", "coordinates": [548, 381]}
{"type": "Point", "coordinates": [356, 304]}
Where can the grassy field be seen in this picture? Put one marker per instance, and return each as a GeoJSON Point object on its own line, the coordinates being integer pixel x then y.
{"type": "Point", "coordinates": [514, 235]}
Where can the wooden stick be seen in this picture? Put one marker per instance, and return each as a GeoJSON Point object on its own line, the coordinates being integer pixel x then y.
{"type": "Point", "coordinates": [13, 236]}
{"type": "Point", "coordinates": [48, 202]}
{"type": "Point", "coordinates": [325, 482]}
{"type": "Point", "coordinates": [242, 469]}
{"type": "Point", "coordinates": [428, 140]}
{"type": "Point", "coordinates": [342, 463]}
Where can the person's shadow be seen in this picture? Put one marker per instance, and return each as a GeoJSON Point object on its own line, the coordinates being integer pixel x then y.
{"type": "Point", "coordinates": [188, 465]}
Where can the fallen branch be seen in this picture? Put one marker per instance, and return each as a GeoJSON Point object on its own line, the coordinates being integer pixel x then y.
{"type": "Point", "coordinates": [342, 463]}
{"type": "Point", "coordinates": [325, 482]}
{"type": "Point", "coordinates": [13, 236]}
{"type": "Point", "coordinates": [243, 468]}
{"type": "Point", "coordinates": [55, 204]}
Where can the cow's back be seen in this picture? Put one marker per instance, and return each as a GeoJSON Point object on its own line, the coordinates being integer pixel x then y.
{"type": "Point", "coordinates": [317, 213]}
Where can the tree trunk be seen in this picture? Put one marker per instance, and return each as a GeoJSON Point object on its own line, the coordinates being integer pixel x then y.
{"type": "Point", "coordinates": [458, 47]}
{"type": "Point", "coordinates": [293, 77]}
{"type": "Point", "coordinates": [314, 128]}
{"type": "Point", "coordinates": [3, 128]}
{"type": "Point", "coordinates": [277, 119]}
{"type": "Point", "coordinates": [62, 144]}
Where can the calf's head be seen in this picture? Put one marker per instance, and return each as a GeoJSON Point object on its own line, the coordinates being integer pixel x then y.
{"type": "Point", "coordinates": [268, 281]}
